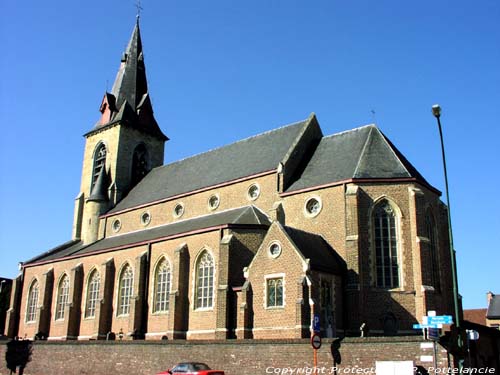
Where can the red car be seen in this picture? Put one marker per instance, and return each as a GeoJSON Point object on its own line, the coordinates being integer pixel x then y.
{"type": "Point", "coordinates": [191, 368]}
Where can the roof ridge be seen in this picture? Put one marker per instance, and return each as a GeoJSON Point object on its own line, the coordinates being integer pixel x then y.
{"type": "Point", "coordinates": [389, 145]}
{"type": "Point", "coordinates": [362, 153]}
{"type": "Point", "coordinates": [351, 130]}
{"type": "Point", "coordinates": [184, 220]}
{"type": "Point", "coordinates": [233, 143]}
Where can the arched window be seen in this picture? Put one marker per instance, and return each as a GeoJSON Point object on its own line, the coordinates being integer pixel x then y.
{"type": "Point", "coordinates": [433, 251]}
{"type": "Point", "coordinates": [62, 297]}
{"type": "Point", "coordinates": [32, 302]}
{"type": "Point", "coordinates": [162, 286]}
{"type": "Point", "coordinates": [99, 163]}
{"type": "Point", "coordinates": [204, 281]}
{"type": "Point", "coordinates": [125, 291]}
{"type": "Point", "coordinates": [386, 246]}
{"type": "Point", "coordinates": [140, 163]}
{"type": "Point", "coordinates": [92, 299]}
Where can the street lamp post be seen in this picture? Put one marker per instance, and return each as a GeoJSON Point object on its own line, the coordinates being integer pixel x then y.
{"type": "Point", "coordinates": [436, 111]}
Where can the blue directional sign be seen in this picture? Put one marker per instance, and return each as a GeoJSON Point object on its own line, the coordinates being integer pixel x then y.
{"type": "Point", "coordinates": [422, 326]}
{"type": "Point", "coordinates": [440, 319]}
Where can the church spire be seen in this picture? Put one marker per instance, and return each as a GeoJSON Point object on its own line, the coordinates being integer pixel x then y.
{"type": "Point", "coordinates": [130, 83]}
{"type": "Point", "coordinates": [129, 102]}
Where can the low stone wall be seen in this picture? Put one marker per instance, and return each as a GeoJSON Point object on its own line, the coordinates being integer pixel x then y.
{"type": "Point", "coordinates": [245, 357]}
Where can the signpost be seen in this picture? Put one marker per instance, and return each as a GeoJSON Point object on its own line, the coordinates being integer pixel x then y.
{"type": "Point", "coordinates": [316, 341]}
{"type": "Point", "coordinates": [316, 323]}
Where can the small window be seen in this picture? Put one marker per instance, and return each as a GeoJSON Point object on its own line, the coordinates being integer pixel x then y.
{"type": "Point", "coordinates": [99, 163]}
{"type": "Point", "coordinates": [313, 207]}
{"type": "Point", "coordinates": [117, 225]}
{"type": "Point", "coordinates": [145, 218]}
{"type": "Point", "coordinates": [275, 292]}
{"type": "Point", "coordinates": [275, 250]}
{"type": "Point", "coordinates": [178, 210]}
{"type": "Point", "coordinates": [253, 192]}
{"type": "Point", "coordinates": [213, 202]}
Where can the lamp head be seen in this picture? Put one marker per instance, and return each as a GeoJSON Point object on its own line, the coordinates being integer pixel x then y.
{"type": "Point", "coordinates": [436, 110]}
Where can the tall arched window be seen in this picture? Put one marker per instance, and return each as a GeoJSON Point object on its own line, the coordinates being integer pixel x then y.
{"type": "Point", "coordinates": [162, 286]}
{"type": "Point", "coordinates": [140, 163]}
{"type": "Point", "coordinates": [99, 163]}
{"type": "Point", "coordinates": [62, 297]}
{"type": "Point", "coordinates": [31, 310]}
{"type": "Point", "coordinates": [126, 286]}
{"type": "Point", "coordinates": [433, 251]}
{"type": "Point", "coordinates": [386, 246]}
{"type": "Point", "coordinates": [92, 298]}
{"type": "Point", "coordinates": [204, 281]}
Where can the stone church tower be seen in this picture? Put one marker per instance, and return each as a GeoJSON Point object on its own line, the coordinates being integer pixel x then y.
{"type": "Point", "coordinates": [124, 145]}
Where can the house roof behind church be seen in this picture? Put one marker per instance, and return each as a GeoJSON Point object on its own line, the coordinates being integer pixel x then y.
{"type": "Point", "coordinates": [494, 307]}
{"type": "Point", "coordinates": [242, 216]}
{"type": "Point", "coordinates": [247, 157]}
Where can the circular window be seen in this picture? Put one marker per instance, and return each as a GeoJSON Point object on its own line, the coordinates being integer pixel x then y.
{"type": "Point", "coordinates": [313, 207]}
{"type": "Point", "coordinates": [178, 210]}
{"type": "Point", "coordinates": [117, 225]}
{"type": "Point", "coordinates": [145, 218]}
{"type": "Point", "coordinates": [275, 249]}
{"type": "Point", "coordinates": [253, 192]}
{"type": "Point", "coordinates": [213, 202]}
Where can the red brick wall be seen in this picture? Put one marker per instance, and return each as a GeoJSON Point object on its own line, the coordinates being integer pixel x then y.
{"type": "Point", "coordinates": [235, 358]}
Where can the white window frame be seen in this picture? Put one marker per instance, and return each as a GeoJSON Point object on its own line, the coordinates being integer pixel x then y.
{"type": "Point", "coordinates": [92, 295]}
{"type": "Point", "coordinates": [32, 302]}
{"type": "Point", "coordinates": [205, 295]}
{"type": "Point", "coordinates": [124, 300]}
{"type": "Point", "coordinates": [164, 289]}
{"type": "Point", "coordinates": [283, 280]}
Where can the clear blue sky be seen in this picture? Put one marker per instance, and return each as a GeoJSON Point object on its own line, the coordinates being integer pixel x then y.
{"type": "Point", "coordinates": [222, 70]}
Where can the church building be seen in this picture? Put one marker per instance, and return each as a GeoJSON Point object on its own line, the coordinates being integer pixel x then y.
{"type": "Point", "coordinates": [247, 241]}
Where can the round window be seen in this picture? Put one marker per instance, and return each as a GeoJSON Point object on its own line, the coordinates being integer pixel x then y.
{"type": "Point", "coordinates": [117, 225]}
{"type": "Point", "coordinates": [213, 202]}
{"type": "Point", "coordinates": [275, 249]}
{"type": "Point", "coordinates": [253, 192]}
{"type": "Point", "coordinates": [313, 207]}
{"type": "Point", "coordinates": [178, 210]}
{"type": "Point", "coordinates": [145, 218]}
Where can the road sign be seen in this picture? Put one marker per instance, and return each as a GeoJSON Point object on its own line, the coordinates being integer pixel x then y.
{"type": "Point", "coordinates": [473, 335]}
{"type": "Point", "coordinates": [316, 323]}
{"type": "Point", "coordinates": [433, 333]}
{"type": "Point", "coordinates": [440, 319]}
{"type": "Point", "coordinates": [316, 341]}
{"type": "Point", "coordinates": [422, 326]}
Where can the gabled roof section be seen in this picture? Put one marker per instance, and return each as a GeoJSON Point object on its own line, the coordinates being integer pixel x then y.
{"type": "Point", "coordinates": [494, 307]}
{"type": "Point", "coordinates": [242, 216]}
{"type": "Point", "coordinates": [322, 257]}
{"type": "Point", "coordinates": [361, 153]}
{"type": "Point", "coordinates": [251, 156]}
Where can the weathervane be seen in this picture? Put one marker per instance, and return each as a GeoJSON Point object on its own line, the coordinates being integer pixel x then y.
{"type": "Point", "coordinates": [139, 8]}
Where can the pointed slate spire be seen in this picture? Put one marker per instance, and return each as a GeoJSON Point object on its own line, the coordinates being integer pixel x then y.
{"type": "Point", "coordinates": [129, 102]}
{"type": "Point", "coordinates": [130, 83]}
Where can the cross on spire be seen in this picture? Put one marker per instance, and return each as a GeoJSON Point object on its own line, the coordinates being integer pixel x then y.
{"type": "Point", "coordinates": [139, 8]}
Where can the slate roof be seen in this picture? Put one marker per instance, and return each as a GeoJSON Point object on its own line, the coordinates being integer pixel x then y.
{"type": "Point", "coordinates": [247, 157]}
{"type": "Point", "coordinates": [322, 257]}
{"type": "Point", "coordinates": [248, 215]}
{"type": "Point", "coordinates": [494, 307]}
{"type": "Point", "coordinates": [361, 153]}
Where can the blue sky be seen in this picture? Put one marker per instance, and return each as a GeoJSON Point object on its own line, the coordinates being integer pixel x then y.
{"type": "Point", "coordinates": [223, 70]}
